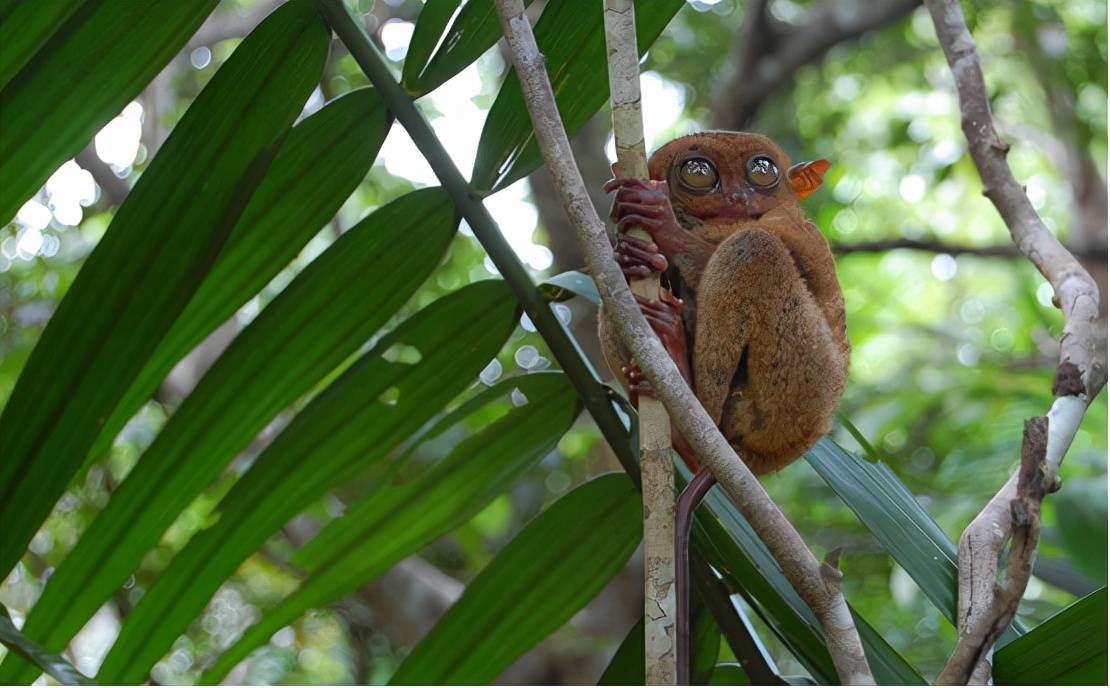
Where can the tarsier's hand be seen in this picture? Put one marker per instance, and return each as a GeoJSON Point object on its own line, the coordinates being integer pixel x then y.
{"type": "Point", "coordinates": [646, 205]}
{"type": "Point", "coordinates": [638, 259]}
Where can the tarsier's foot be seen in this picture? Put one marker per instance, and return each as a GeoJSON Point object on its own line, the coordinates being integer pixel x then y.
{"type": "Point", "coordinates": [665, 318]}
{"type": "Point", "coordinates": [638, 259]}
{"type": "Point", "coordinates": [646, 205]}
{"type": "Point", "coordinates": [638, 384]}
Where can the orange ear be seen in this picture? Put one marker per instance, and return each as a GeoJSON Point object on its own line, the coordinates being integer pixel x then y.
{"type": "Point", "coordinates": [805, 177]}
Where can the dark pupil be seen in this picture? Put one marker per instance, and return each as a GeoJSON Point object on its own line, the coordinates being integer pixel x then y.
{"type": "Point", "coordinates": [698, 168]}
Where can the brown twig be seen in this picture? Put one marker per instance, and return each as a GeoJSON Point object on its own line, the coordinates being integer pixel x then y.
{"type": "Point", "coordinates": [818, 589]}
{"type": "Point", "coordinates": [935, 246]}
{"type": "Point", "coordinates": [1080, 374]}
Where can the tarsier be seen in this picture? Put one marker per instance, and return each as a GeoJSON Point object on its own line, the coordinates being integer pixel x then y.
{"type": "Point", "coordinates": [754, 316]}
{"type": "Point", "coordinates": [750, 311]}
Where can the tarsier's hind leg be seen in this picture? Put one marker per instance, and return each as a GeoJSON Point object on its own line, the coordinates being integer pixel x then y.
{"type": "Point", "coordinates": [766, 366]}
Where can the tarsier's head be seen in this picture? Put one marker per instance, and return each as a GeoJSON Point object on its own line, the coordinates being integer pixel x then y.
{"type": "Point", "coordinates": [727, 175]}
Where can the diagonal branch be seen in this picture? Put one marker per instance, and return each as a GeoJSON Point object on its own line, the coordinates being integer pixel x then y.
{"type": "Point", "coordinates": [1080, 375]}
{"type": "Point", "coordinates": [817, 584]}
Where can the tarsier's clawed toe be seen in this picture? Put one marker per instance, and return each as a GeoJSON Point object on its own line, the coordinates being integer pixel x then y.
{"type": "Point", "coordinates": [638, 259]}
{"type": "Point", "coordinates": [638, 384]}
{"type": "Point", "coordinates": [664, 315]}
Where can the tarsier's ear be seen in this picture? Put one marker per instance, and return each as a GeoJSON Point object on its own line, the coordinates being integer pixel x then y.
{"type": "Point", "coordinates": [805, 177]}
{"type": "Point", "coordinates": [616, 168]}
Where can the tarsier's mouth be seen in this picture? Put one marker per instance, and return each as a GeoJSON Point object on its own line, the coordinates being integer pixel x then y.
{"type": "Point", "coordinates": [732, 215]}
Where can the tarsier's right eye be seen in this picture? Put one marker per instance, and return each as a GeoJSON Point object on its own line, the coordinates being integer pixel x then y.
{"type": "Point", "coordinates": [698, 174]}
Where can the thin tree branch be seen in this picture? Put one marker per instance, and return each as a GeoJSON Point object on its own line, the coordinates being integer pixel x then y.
{"type": "Point", "coordinates": [935, 246]}
{"type": "Point", "coordinates": [769, 52]}
{"type": "Point", "coordinates": [656, 468]}
{"type": "Point", "coordinates": [1080, 375]}
{"type": "Point", "coordinates": [817, 584]}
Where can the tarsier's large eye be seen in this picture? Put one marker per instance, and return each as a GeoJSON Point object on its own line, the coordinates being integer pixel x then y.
{"type": "Point", "coordinates": [698, 174]}
{"type": "Point", "coordinates": [762, 171]}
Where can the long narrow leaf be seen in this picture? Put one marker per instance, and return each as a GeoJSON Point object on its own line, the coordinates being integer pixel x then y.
{"type": "Point", "coordinates": [89, 69]}
{"type": "Point", "coordinates": [321, 318]}
{"type": "Point", "coordinates": [346, 427]}
{"type": "Point", "coordinates": [161, 243]}
{"type": "Point", "coordinates": [572, 38]}
{"type": "Point", "coordinates": [395, 521]}
{"type": "Point", "coordinates": [319, 165]}
{"type": "Point", "coordinates": [25, 27]}
{"type": "Point", "coordinates": [475, 29]}
{"type": "Point", "coordinates": [429, 28]}
{"type": "Point", "coordinates": [1069, 648]}
{"type": "Point", "coordinates": [895, 518]}
{"type": "Point", "coordinates": [55, 666]}
{"type": "Point", "coordinates": [741, 555]}
{"type": "Point", "coordinates": [534, 585]}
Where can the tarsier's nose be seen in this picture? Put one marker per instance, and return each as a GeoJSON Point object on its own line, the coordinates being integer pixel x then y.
{"type": "Point", "coordinates": [738, 197]}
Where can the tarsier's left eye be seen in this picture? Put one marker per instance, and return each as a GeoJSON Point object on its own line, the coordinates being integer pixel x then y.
{"type": "Point", "coordinates": [698, 174]}
{"type": "Point", "coordinates": [762, 171]}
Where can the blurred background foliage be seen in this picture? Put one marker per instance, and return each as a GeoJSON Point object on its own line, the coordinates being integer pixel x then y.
{"type": "Point", "coordinates": [954, 335]}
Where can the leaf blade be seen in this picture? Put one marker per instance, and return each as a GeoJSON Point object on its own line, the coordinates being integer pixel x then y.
{"type": "Point", "coordinates": [392, 523]}
{"type": "Point", "coordinates": [301, 336]}
{"type": "Point", "coordinates": [571, 37]}
{"type": "Point", "coordinates": [131, 287]}
{"type": "Point", "coordinates": [1069, 648]}
{"type": "Point", "coordinates": [345, 427]}
{"type": "Point", "coordinates": [61, 97]}
{"type": "Point", "coordinates": [54, 665]}
{"type": "Point", "coordinates": [535, 584]}
{"type": "Point", "coordinates": [317, 168]}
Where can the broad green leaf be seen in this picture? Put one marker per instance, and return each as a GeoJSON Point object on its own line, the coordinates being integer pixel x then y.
{"type": "Point", "coordinates": [571, 37]}
{"type": "Point", "coordinates": [25, 27]}
{"type": "Point", "coordinates": [532, 587]}
{"type": "Point", "coordinates": [567, 285]}
{"type": "Point", "coordinates": [319, 165]}
{"type": "Point", "coordinates": [330, 309]}
{"type": "Point", "coordinates": [892, 514]}
{"type": "Point", "coordinates": [347, 428]}
{"type": "Point", "coordinates": [1081, 514]}
{"type": "Point", "coordinates": [397, 520]}
{"type": "Point", "coordinates": [739, 554]}
{"type": "Point", "coordinates": [727, 540]}
{"type": "Point", "coordinates": [162, 241]}
{"type": "Point", "coordinates": [706, 646]}
{"type": "Point", "coordinates": [86, 73]}
{"type": "Point", "coordinates": [1069, 648]}
{"type": "Point", "coordinates": [55, 666]}
{"type": "Point", "coordinates": [626, 668]}
{"type": "Point", "coordinates": [895, 518]}
{"type": "Point", "coordinates": [429, 28]}
{"type": "Point", "coordinates": [475, 29]}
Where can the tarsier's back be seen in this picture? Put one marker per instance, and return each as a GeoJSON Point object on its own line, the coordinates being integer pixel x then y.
{"type": "Point", "coordinates": [763, 313]}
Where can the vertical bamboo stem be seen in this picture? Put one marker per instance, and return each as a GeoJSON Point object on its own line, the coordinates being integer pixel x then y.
{"type": "Point", "coordinates": [660, 667]}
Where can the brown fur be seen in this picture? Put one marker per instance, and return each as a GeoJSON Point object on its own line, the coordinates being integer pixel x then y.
{"type": "Point", "coordinates": [764, 313]}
